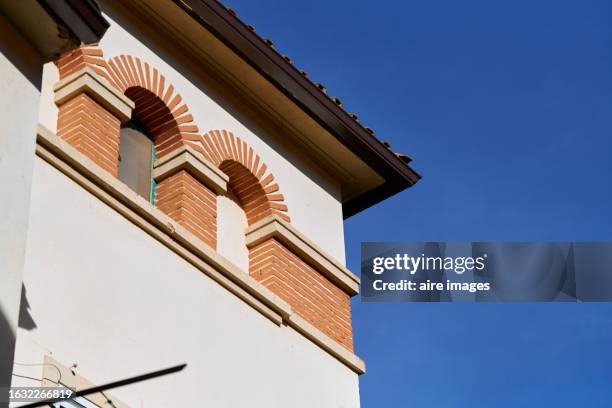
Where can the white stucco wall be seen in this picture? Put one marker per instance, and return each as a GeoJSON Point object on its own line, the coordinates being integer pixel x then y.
{"type": "Point", "coordinates": [20, 70]}
{"type": "Point", "coordinates": [105, 295]}
{"type": "Point", "coordinates": [48, 110]}
{"type": "Point", "coordinates": [313, 198]}
{"type": "Point", "coordinates": [231, 224]}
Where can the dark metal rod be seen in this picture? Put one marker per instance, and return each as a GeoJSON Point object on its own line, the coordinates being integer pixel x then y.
{"type": "Point", "coordinates": [108, 386]}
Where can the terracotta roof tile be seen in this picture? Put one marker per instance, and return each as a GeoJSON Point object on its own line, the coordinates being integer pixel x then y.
{"type": "Point", "coordinates": [319, 85]}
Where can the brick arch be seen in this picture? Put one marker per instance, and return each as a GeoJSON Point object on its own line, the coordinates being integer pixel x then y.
{"type": "Point", "coordinates": [250, 179]}
{"type": "Point", "coordinates": [158, 105]}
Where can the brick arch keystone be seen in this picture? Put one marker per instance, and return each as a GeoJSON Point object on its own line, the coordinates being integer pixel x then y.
{"type": "Point", "coordinates": [250, 179]}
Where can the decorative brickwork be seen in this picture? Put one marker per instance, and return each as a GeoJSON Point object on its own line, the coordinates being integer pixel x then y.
{"type": "Point", "coordinates": [187, 186]}
{"type": "Point", "coordinates": [309, 293]}
{"type": "Point", "coordinates": [158, 105]}
{"type": "Point", "coordinates": [191, 204]}
{"type": "Point", "coordinates": [83, 121]}
{"type": "Point", "coordinates": [168, 121]}
{"type": "Point", "coordinates": [92, 130]}
{"type": "Point", "coordinates": [79, 58]}
{"type": "Point", "coordinates": [250, 179]}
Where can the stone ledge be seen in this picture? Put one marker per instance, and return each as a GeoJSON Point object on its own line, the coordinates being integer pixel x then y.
{"type": "Point", "coordinates": [186, 158]}
{"type": "Point", "coordinates": [121, 198]}
{"type": "Point", "coordinates": [326, 343]}
{"type": "Point", "coordinates": [275, 227]}
{"type": "Point", "coordinates": [98, 88]}
{"type": "Point", "coordinates": [136, 209]}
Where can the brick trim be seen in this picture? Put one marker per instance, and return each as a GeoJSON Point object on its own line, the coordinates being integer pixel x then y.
{"type": "Point", "coordinates": [185, 158]}
{"type": "Point", "coordinates": [158, 105]}
{"type": "Point", "coordinates": [311, 283]}
{"type": "Point", "coordinates": [187, 191]}
{"type": "Point", "coordinates": [88, 81]}
{"type": "Point", "coordinates": [190, 203]}
{"type": "Point", "coordinates": [87, 55]}
{"type": "Point", "coordinates": [173, 236]}
{"type": "Point", "coordinates": [92, 130]}
{"type": "Point", "coordinates": [300, 245]}
{"type": "Point", "coordinates": [86, 115]}
{"type": "Point", "coordinates": [310, 294]}
{"type": "Point", "coordinates": [322, 300]}
{"type": "Point", "coordinates": [171, 125]}
{"type": "Point", "coordinates": [249, 177]}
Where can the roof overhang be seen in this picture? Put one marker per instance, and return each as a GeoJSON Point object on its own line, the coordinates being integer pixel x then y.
{"type": "Point", "coordinates": [217, 40]}
{"type": "Point", "coordinates": [55, 26]}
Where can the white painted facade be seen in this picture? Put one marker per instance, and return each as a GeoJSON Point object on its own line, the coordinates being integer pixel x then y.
{"type": "Point", "coordinates": [231, 224]}
{"type": "Point", "coordinates": [105, 295]}
{"type": "Point", "coordinates": [310, 194]}
{"type": "Point", "coordinates": [19, 82]}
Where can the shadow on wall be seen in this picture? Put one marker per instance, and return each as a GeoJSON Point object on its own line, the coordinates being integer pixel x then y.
{"type": "Point", "coordinates": [25, 318]}
{"type": "Point", "coordinates": [17, 54]}
{"type": "Point", "coordinates": [20, 53]}
{"type": "Point", "coordinates": [7, 340]}
{"type": "Point", "coordinates": [7, 348]}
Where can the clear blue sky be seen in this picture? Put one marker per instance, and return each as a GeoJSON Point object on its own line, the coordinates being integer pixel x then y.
{"type": "Point", "coordinates": [506, 108]}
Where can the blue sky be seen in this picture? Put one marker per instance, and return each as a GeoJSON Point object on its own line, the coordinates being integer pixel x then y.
{"type": "Point", "coordinates": [506, 108]}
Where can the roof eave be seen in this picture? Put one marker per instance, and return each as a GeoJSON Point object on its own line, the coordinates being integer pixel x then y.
{"type": "Point", "coordinates": [271, 65]}
{"type": "Point", "coordinates": [53, 27]}
{"type": "Point", "coordinates": [81, 17]}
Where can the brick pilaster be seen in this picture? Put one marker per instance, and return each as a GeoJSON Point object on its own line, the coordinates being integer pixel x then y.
{"type": "Point", "coordinates": [310, 294]}
{"type": "Point", "coordinates": [187, 188]}
{"type": "Point", "coordinates": [90, 113]}
{"type": "Point", "coordinates": [92, 130]}
{"type": "Point", "coordinates": [190, 203]}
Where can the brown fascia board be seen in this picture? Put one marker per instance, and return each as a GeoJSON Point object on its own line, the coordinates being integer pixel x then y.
{"type": "Point", "coordinates": [81, 17]}
{"type": "Point", "coordinates": [253, 49]}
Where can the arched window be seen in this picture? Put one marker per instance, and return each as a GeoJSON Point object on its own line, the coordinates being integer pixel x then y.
{"type": "Point", "coordinates": [136, 156]}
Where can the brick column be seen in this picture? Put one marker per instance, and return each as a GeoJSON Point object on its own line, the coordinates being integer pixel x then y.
{"type": "Point", "coordinates": [187, 190]}
{"type": "Point", "coordinates": [317, 287]}
{"type": "Point", "coordinates": [90, 115]}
